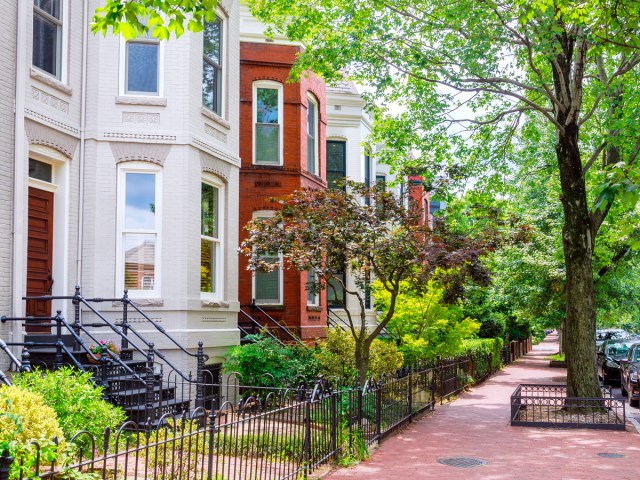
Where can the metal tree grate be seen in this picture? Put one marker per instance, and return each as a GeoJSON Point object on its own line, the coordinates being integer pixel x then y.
{"type": "Point", "coordinates": [462, 462]}
{"type": "Point", "coordinates": [611, 455]}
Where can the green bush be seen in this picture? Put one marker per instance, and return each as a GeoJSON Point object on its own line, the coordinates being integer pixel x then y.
{"type": "Point", "coordinates": [484, 346]}
{"type": "Point", "coordinates": [266, 356]}
{"type": "Point", "coordinates": [76, 400]}
{"type": "Point", "coordinates": [337, 356]}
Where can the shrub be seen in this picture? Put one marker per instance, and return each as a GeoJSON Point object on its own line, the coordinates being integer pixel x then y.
{"type": "Point", "coordinates": [266, 356]}
{"type": "Point", "coordinates": [484, 346]}
{"type": "Point", "coordinates": [337, 356]}
{"type": "Point", "coordinates": [76, 400]}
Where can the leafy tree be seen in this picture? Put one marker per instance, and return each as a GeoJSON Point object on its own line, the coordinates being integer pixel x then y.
{"type": "Point", "coordinates": [333, 231]}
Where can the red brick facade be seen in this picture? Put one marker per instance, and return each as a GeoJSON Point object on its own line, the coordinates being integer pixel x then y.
{"type": "Point", "coordinates": [419, 198]}
{"type": "Point", "coordinates": [266, 61]}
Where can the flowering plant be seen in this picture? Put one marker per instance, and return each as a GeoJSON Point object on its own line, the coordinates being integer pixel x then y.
{"type": "Point", "coordinates": [102, 346]}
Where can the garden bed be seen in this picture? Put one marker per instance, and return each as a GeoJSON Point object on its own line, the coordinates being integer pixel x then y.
{"type": "Point", "coordinates": [549, 406]}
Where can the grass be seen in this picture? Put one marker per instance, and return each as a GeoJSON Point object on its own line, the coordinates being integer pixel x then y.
{"type": "Point", "coordinates": [558, 357]}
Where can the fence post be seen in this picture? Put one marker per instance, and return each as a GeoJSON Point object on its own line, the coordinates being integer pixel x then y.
{"type": "Point", "coordinates": [124, 342]}
{"type": "Point", "coordinates": [150, 383]}
{"type": "Point", "coordinates": [349, 420]}
{"type": "Point", "coordinates": [334, 421]}
{"type": "Point", "coordinates": [307, 437]}
{"type": "Point", "coordinates": [25, 364]}
{"type": "Point", "coordinates": [410, 394]}
{"type": "Point", "coordinates": [359, 405]}
{"type": "Point", "coordinates": [212, 432]}
{"type": "Point", "coordinates": [5, 463]}
{"type": "Point", "coordinates": [57, 361]}
{"type": "Point", "coordinates": [434, 386]}
{"type": "Point", "coordinates": [200, 376]}
{"type": "Point", "coordinates": [441, 379]}
{"type": "Point", "coordinates": [379, 410]}
{"type": "Point", "coordinates": [76, 318]}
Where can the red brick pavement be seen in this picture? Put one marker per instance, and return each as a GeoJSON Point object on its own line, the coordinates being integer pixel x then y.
{"type": "Point", "coordinates": [477, 425]}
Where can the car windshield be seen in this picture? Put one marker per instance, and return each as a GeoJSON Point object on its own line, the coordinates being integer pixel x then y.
{"type": "Point", "coordinates": [618, 350]}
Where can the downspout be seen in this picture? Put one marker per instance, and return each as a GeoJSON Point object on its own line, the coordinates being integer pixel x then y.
{"type": "Point", "coordinates": [19, 179]}
{"type": "Point", "coordinates": [83, 128]}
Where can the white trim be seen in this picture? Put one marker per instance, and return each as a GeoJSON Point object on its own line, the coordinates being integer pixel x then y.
{"type": "Point", "coordinates": [316, 161]}
{"type": "Point", "coordinates": [254, 104]}
{"type": "Point", "coordinates": [268, 214]}
{"type": "Point", "coordinates": [59, 186]}
{"type": "Point", "coordinates": [316, 296]}
{"type": "Point", "coordinates": [224, 39]}
{"type": "Point", "coordinates": [123, 169]}
{"type": "Point", "coordinates": [219, 293]}
{"type": "Point", "coordinates": [122, 74]}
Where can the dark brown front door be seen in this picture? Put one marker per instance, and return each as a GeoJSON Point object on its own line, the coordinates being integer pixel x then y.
{"type": "Point", "coordinates": [39, 254]}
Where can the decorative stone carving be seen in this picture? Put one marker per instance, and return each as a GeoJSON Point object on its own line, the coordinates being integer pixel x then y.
{"type": "Point", "coordinates": [145, 152]}
{"type": "Point", "coordinates": [40, 134]}
{"type": "Point", "coordinates": [215, 133]}
{"type": "Point", "coordinates": [141, 118]}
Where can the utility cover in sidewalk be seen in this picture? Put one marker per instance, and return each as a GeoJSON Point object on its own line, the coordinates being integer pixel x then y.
{"type": "Point", "coordinates": [462, 462]}
{"type": "Point", "coordinates": [611, 455]}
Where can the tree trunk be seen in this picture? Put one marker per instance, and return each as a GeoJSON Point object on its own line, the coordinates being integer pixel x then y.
{"type": "Point", "coordinates": [362, 359]}
{"type": "Point", "coordinates": [580, 324]}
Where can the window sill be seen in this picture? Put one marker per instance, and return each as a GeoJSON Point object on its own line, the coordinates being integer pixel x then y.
{"type": "Point", "coordinates": [215, 117]}
{"type": "Point", "coordinates": [51, 81]}
{"type": "Point", "coordinates": [143, 302]}
{"type": "Point", "coordinates": [141, 100]}
{"type": "Point", "coordinates": [314, 308]}
{"type": "Point", "coordinates": [272, 307]}
{"type": "Point", "coordinates": [211, 303]}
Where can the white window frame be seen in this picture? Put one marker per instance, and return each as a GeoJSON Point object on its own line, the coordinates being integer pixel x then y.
{"type": "Point", "coordinates": [223, 64]}
{"type": "Point", "coordinates": [268, 214]}
{"type": "Point", "coordinates": [123, 169]}
{"type": "Point", "coordinates": [122, 81]}
{"type": "Point", "coordinates": [316, 140]}
{"type": "Point", "coordinates": [220, 263]}
{"type": "Point", "coordinates": [254, 100]}
{"type": "Point", "coordinates": [316, 295]}
{"type": "Point", "coordinates": [64, 46]}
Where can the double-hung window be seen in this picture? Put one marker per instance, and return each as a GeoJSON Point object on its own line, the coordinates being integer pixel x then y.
{"type": "Point", "coordinates": [367, 174]}
{"type": "Point", "coordinates": [267, 116]}
{"type": "Point", "coordinates": [139, 215]}
{"type": "Point", "coordinates": [312, 135]}
{"type": "Point", "coordinates": [336, 295]}
{"type": "Point", "coordinates": [313, 297]}
{"type": "Point", "coordinates": [142, 66]}
{"type": "Point", "coordinates": [211, 239]}
{"type": "Point", "coordinates": [336, 162]}
{"type": "Point", "coordinates": [267, 286]}
{"type": "Point", "coordinates": [47, 36]}
{"type": "Point", "coordinates": [212, 66]}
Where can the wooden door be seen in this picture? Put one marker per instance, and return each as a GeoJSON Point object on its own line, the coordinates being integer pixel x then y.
{"type": "Point", "coordinates": [39, 255]}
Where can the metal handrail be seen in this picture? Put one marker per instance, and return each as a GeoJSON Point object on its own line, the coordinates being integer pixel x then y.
{"type": "Point", "coordinates": [12, 357]}
{"type": "Point", "coordinates": [260, 326]}
{"type": "Point", "coordinates": [276, 323]}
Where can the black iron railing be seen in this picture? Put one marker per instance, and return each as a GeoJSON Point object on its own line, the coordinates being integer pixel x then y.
{"type": "Point", "coordinates": [261, 431]}
{"type": "Point", "coordinates": [259, 320]}
{"type": "Point", "coordinates": [549, 406]}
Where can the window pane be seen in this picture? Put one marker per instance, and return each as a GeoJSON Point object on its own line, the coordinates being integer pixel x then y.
{"type": "Point", "coordinates": [139, 261]}
{"type": "Point", "coordinates": [52, 7]}
{"type": "Point", "coordinates": [267, 105]}
{"type": "Point", "coordinates": [335, 293]}
{"type": "Point", "coordinates": [208, 265]}
{"type": "Point", "coordinates": [311, 155]}
{"type": "Point", "coordinates": [140, 201]}
{"type": "Point", "coordinates": [46, 42]}
{"type": "Point", "coordinates": [267, 141]}
{"type": "Point", "coordinates": [142, 67]}
{"type": "Point", "coordinates": [336, 162]}
{"type": "Point", "coordinates": [40, 170]}
{"type": "Point", "coordinates": [268, 287]}
{"type": "Point", "coordinates": [211, 45]}
{"type": "Point", "coordinates": [209, 211]}
{"type": "Point", "coordinates": [312, 297]}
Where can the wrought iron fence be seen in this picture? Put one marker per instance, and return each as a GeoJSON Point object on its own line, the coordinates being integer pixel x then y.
{"type": "Point", "coordinates": [260, 433]}
{"type": "Point", "coordinates": [549, 406]}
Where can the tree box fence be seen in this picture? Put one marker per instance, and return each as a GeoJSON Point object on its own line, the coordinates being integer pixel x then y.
{"type": "Point", "coordinates": [549, 406]}
{"type": "Point", "coordinates": [260, 432]}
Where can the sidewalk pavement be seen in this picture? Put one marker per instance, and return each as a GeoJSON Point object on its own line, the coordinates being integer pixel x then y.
{"type": "Point", "coordinates": [477, 425]}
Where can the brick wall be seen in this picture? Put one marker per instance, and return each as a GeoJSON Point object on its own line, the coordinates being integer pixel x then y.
{"type": "Point", "coordinates": [257, 184]}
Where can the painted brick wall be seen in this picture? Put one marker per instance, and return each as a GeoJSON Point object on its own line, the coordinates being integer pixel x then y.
{"type": "Point", "coordinates": [273, 62]}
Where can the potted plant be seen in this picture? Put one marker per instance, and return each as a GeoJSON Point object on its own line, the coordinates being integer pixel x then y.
{"type": "Point", "coordinates": [102, 348]}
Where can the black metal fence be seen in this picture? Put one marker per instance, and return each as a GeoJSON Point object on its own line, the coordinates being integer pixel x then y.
{"type": "Point", "coordinates": [268, 433]}
{"type": "Point", "coordinates": [549, 406]}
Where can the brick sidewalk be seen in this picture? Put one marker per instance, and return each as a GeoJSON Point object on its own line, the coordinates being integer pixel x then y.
{"type": "Point", "coordinates": [477, 425]}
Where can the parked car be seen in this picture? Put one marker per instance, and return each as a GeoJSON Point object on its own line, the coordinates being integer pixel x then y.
{"type": "Point", "coordinates": [609, 355]}
{"type": "Point", "coordinates": [629, 375]}
{"type": "Point", "coordinates": [610, 334]}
